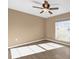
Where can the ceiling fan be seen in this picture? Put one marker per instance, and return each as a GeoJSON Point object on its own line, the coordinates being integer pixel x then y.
{"type": "Point", "coordinates": [46, 7]}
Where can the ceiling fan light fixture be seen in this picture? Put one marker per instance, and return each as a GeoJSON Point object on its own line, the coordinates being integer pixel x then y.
{"type": "Point", "coordinates": [45, 10]}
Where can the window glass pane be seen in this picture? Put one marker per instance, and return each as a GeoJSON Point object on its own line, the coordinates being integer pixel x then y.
{"type": "Point", "coordinates": [62, 31]}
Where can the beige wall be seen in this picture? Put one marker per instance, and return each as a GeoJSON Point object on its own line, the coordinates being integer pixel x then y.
{"type": "Point", "coordinates": [50, 24]}
{"type": "Point", "coordinates": [50, 28]}
{"type": "Point", "coordinates": [23, 28]}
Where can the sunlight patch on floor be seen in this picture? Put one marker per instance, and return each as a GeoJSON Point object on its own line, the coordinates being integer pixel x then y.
{"type": "Point", "coordinates": [24, 51]}
{"type": "Point", "coordinates": [32, 49]}
{"type": "Point", "coordinates": [49, 46]}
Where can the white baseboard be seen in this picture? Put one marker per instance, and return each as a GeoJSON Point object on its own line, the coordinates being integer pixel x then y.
{"type": "Point", "coordinates": [25, 43]}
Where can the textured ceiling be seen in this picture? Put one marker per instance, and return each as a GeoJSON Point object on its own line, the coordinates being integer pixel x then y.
{"type": "Point", "coordinates": [26, 6]}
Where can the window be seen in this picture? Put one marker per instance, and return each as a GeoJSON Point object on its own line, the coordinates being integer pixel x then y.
{"type": "Point", "coordinates": [62, 31]}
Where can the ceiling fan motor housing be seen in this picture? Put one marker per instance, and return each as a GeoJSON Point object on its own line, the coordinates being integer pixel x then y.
{"type": "Point", "coordinates": [46, 5]}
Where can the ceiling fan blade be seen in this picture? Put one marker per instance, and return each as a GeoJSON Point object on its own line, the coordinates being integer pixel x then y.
{"type": "Point", "coordinates": [50, 12]}
{"type": "Point", "coordinates": [56, 8]}
{"type": "Point", "coordinates": [54, 4]}
{"type": "Point", "coordinates": [37, 7]}
{"type": "Point", "coordinates": [41, 12]}
{"type": "Point", "coordinates": [36, 2]}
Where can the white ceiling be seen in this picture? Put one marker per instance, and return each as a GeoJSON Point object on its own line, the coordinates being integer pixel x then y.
{"type": "Point", "coordinates": [26, 6]}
